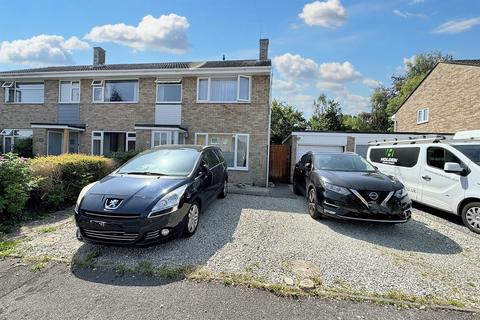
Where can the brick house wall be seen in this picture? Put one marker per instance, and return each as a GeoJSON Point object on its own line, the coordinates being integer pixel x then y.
{"type": "Point", "coordinates": [452, 94]}
{"type": "Point", "coordinates": [250, 118]}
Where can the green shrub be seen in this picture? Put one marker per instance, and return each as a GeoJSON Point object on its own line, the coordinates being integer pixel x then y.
{"type": "Point", "coordinates": [23, 147]}
{"type": "Point", "coordinates": [122, 157]}
{"type": "Point", "coordinates": [15, 186]}
{"type": "Point", "coordinates": [61, 178]}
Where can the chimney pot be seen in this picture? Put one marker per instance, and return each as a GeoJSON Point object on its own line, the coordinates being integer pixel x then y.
{"type": "Point", "coordinates": [98, 56]}
{"type": "Point", "coordinates": [263, 51]}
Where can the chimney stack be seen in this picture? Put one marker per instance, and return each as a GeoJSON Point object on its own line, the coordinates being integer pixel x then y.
{"type": "Point", "coordinates": [263, 52]}
{"type": "Point", "coordinates": [98, 56]}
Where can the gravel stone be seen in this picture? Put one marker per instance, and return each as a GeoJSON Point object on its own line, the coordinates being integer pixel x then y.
{"type": "Point", "coordinates": [306, 284]}
{"type": "Point", "coordinates": [270, 236]}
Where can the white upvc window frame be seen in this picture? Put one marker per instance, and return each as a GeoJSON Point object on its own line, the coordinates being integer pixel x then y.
{"type": "Point", "coordinates": [235, 167]}
{"type": "Point", "coordinates": [102, 83]}
{"type": "Point", "coordinates": [171, 84]}
{"type": "Point", "coordinates": [423, 115]}
{"type": "Point", "coordinates": [9, 84]}
{"type": "Point", "coordinates": [71, 91]}
{"type": "Point", "coordinates": [238, 100]}
{"type": "Point", "coordinates": [101, 139]}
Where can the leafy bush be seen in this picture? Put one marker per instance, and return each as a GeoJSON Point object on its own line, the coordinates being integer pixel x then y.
{"type": "Point", "coordinates": [24, 147]}
{"type": "Point", "coordinates": [61, 178]}
{"type": "Point", "coordinates": [15, 186]}
{"type": "Point", "coordinates": [122, 157]}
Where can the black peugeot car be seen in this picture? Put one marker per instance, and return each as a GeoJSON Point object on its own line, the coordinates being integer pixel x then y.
{"type": "Point", "coordinates": [346, 186]}
{"type": "Point", "coordinates": [157, 195]}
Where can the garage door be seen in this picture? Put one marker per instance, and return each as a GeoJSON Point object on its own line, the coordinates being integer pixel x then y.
{"type": "Point", "coordinates": [301, 150]}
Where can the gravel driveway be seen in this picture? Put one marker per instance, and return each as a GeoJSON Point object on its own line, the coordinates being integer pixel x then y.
{"type": "Point", "coordinates": [274, 238]}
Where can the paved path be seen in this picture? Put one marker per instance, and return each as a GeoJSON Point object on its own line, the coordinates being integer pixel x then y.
{"type": "Point", "coordinates": [57, 293]}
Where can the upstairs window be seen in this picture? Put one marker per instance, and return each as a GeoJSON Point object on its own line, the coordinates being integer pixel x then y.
{"type": "Point", "coordinates": [125, 91]}
{"type": "Point", "coordinates": [69, 92]}
{"type": "Point", "coordinates": [422, 115]}
{"type": "Point", "coordinates": [224, 89]}
{"type": "Point", "coordinates": [24, 92]}
{"type": "Point", "coordinates": [169, 91]}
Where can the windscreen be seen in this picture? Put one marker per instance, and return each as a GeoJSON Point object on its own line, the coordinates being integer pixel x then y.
{"type": "Point", "coordinates": [174, 162]}
{"type": "Point", "coordinates": [472, 151]}
{"type": "Point", "coordinates": [342, 162]}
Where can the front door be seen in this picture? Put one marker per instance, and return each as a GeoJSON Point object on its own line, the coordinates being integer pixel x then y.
{"type": "Point", "coordinates": [54, 143]}
{"type": "Point", "coordinates": [73, 142]}
{"type": "Point", "coordinates": [161, 138]}
{"type": "Point", "coordinates": [439, 188]}
{"type": "Point", "coordinates": [8, 144]}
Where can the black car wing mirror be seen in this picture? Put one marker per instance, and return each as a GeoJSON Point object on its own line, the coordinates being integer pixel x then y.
{"type": "Point", "coordinates": [308, 166]}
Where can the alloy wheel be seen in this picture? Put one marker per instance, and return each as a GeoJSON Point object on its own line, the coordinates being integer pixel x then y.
{"type": "Point", "coordinates": [193, 218]}
{"type": "Point", "coordinates": [473, 217]}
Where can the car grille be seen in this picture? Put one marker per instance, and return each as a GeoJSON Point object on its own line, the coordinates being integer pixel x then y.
{"type": "Point", "coordinates": [366, 195]}
{"type": "Point", "coordinates": [111, 215]}
{"type": "Point", "coordinates": [110, 235]}
{"type": "Point", "coordinates": [152, 235]}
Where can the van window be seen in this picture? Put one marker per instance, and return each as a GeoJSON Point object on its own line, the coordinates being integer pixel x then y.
{"type": "Point", "coordinates": [401, 157]}
{"type": "Point", "coordinates": [436, 157]}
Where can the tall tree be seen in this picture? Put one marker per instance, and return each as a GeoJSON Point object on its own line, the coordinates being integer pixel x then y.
{"type": "Point", "coordinates": [327, 115]}
{"type": "Point", "coordinates": [285, 119]}
{"type": "Point", "coordinates": [415, 71]}
{"type": "Point", "coordinates": [380, 119]}
{"type": "Point", "coordinates": [360, 122]}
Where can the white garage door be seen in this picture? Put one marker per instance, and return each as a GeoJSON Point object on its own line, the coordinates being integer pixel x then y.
{"type": "Point", "coordinates": [301, 150]}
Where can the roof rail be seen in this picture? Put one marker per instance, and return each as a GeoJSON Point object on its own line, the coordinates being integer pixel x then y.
{"type": "Point", "coordinates": [410, 140]}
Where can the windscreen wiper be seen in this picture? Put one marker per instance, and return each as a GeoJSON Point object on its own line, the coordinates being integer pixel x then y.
{"type": "Point", "coordinates": [145, 173]}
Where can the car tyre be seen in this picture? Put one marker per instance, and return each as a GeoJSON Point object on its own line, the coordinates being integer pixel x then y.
{"type": "Point", "coordinates": [295, 189]}
{"type": "Point", "coordinates": [191, 220]}
{"type": "Point", "coordinates": [312, 204]}
{"type": "Point", "coordinates": [471, 216]}
{"type": "Point", "coordinates": [224, 192]}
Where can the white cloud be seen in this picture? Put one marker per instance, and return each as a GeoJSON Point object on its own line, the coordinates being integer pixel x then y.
{"type": "Point", "coordinates": [353, 103]}
{"type": "Point", "coordinates": [286, 86]}
{"type": "Point", "coordinates": [456, 26]}
{"type": "Point", "coordinates": [294, 66]}
{"type": "Point", "coordinates": [338, 72]}
{"type": "Point", "coordinates": [406, 14]}
{"type": "Point", "coordinates": [302, 102]}
{"type": "Point", "coordinates": [371, 83]}
{"type": "Point", "coordinates": [166, 33]}
{"type": "Point", "coordinates": [329, 86]}
{"type": "Point", "coordinates": [41, 50]}
{"type": "Point", "coordinates": [327, 14]}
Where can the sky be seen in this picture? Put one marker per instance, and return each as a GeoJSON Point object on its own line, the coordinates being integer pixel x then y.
{"type": "Point", "coordinates": [342, 48]}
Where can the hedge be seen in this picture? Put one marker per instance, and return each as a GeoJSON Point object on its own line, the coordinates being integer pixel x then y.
{"type": "Point", "coordinates": [16, 182]}
{"type": "Point", "coordinates": [61, 178]}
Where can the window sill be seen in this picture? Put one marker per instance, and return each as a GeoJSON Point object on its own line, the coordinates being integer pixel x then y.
{"type": "Point", "coordinates": [224, 102]}
{"type": "Point", "coordinates": [422, 122]}
{"type": "Point", "coordinates": [168, 102]}
{"type": "Point", "coordinates": [237, 169]}
{"type": "Point", "coordinates": [14, 103]}
{"type": "Point", "coordinates": [71, 102]}
{"type": "Point", "coordinates": [114, 102]}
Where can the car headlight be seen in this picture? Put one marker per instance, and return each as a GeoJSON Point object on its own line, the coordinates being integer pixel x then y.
{"type": "Point", "coordinates": [82, 194]}
{"type": "Point", "coordinates": [400, 193]}
{"type": "Point", "coordinates": [336, 189]}
{"type": "Point", "coordinates": [170, 200]}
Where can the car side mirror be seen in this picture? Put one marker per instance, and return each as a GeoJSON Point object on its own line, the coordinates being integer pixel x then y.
{"type": "Point", "coordinates": [308, 166]}
{"type": "Point", "coordinates": [453, 167]}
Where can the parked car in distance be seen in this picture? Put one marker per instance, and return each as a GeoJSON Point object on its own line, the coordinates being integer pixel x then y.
{"type": "Point", "coordinates": [346, 186]}
{"type": "Point", "coordinates": [157, 195]}
{"type": "Point", "coordinates": [438, 172]}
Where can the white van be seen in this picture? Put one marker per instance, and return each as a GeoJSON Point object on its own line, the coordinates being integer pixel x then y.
{"type": "Point", "coordinates": [438, 172]}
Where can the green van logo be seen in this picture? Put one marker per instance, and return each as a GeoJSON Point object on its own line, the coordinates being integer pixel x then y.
{"type": "Point", "coordinates": [389, 152]}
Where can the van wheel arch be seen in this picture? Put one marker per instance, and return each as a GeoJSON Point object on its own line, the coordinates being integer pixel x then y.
{"type": "Point", "coordinates": [464, 202]}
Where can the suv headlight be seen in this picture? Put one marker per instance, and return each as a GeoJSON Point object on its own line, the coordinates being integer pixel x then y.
{"type": "Point", "coordinates": [400, 193]}
{"type": "Point", "coordinates": [336, 189]}
{"type": "Point", "coordinates": [82, 194]}
{"type": "Point", "coordinates": [170, 200]}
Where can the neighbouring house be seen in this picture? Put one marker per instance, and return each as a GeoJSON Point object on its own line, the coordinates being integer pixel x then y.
{"type": "Point", "coordinates": [301, 142]}
{"type": "Point", "coordinates": [447, 100]}
{"type": "Point", "coordinates": [104, 108]}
